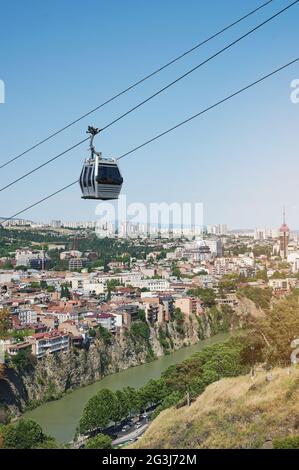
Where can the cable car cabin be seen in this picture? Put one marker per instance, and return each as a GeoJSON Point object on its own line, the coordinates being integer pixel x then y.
{"type": "Point", "coordinates": [100, 178]}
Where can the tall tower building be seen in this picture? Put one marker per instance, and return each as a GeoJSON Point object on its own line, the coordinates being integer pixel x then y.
{"type": "Point", "coordinates": [284, 237]}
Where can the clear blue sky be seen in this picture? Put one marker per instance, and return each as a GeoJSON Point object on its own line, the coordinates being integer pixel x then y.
{"type": "Point", "coordinates": [60, 58]}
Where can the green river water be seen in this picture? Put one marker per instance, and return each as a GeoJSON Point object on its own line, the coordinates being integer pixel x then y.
{"type": "Point", "coordinates": [60, 418]}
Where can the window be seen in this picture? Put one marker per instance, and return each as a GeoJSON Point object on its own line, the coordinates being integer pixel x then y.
{"type": "Point", "coordinates": [83, 179]}
{"type": "Point", "coordinates": [89, 176]}
{"type": "Point", "coordinates": [109, 174]}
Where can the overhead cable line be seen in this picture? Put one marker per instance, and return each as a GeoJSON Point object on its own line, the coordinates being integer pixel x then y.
{"type": "Point", "coordinates": [38, 202]}
{"type": "Point", "coordinates": [134, 85]}
{"type": "Point", "coordinates": [154, 95]}
{"type": "Point", "coordinates": [218, 103]}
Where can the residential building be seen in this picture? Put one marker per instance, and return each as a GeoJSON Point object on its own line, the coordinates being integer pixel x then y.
{"type": "Point", "coordinates": [27, 316]}
{"type": "Point", "coordinates": [189, 305]}
{"type": "Point", "coordinates": [49, 343]}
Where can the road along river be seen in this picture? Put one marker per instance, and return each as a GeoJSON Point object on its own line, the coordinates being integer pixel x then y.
{"type": "Point", "coordinates": [60, 418]}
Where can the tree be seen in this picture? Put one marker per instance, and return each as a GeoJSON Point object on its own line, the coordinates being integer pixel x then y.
{"type": "Point", "coordinates": [122, 407]}
{"type": "Point", "coordinates": [65, 293]}
{"type": "Point", "coordinates": [98, 412]}
{"type": "Point", "coordinates": [26, 434]}
{"type": "Point", "coordinates": [133, 397]}
{"type": "Point", "coordinates": [175, 271]}
{"type": "Point", "coordinates": [101, 441]}
{"type": "Point", "coordinates": [179, 319]}
{"type": "Point", "coordinates": [106, 266]}
{"type": "Point", "coordinates": [34, 285]}
{"type": "Point", "coordinates": [262, 274]}
{"type": "Point", "coordinates": [206, 295]}
{"type": "Point", "coordinates": [5, 321]}
{"type": "Point", "coordinates": [278, 275]}
{"type": "Point", "coordinates": [92, 332]}
{"type": "Point", "coordinates": [104, 334]}
{"type": "Point", "coordinates": [49, 443]}
{"type": "Point", "coordinates": [153, 392]}
{"type": "Point", "coordinates": [24, 360]}
{"type": "Point", "coordinates": [278, 329]}
{"type": "Point", "coordinates": [183, 377]}
{"type": "Point", "coordinates": [228, 283]}
{"type": "Point", "coordinates": [22, 268]}
{"type": "Point", "coordinates": [141, 315]}
{"type": "Point", "coordinates": [261, 297]}
{"type": "Point", "coordinates": [112, 284]}
{"type": "Point", "coordinates": [51, 289]}
{"type": "Point", "coordinates": [140, 330]}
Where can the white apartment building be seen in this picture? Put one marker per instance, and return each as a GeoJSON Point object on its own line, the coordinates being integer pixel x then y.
{"type": "Point", "coordinates": [153, 285]}
{"type": "Point", "coordinates": [27, 316]}
{"type": "Point", "coordinates": [55, 223]}
{"type": "Point", "coordinates": [49, 343]}
{"type": "Point", "coordinates": [97, 288]}
{"type": "Point", "coordinates": [219, 229]}
{"type": "Point", "coordinates": [282, 284]}
{"type": "Point", "coordinates": [64, 316]}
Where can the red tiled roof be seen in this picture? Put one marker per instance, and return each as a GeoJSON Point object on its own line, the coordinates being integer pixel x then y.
{"type": "Point", "coordinates": [105, 315]}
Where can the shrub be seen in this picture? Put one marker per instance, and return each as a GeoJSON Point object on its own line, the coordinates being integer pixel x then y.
{"type": "Point", "coordinates": [104, 334]}
{"type": "Point", "coordinates": [24, 360]}
{"type": "Point", "coordinates": [140, 330]}
{"type": "Point", "coordinates": [290, 442]}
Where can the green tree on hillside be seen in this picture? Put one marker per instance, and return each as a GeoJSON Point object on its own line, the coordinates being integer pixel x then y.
{"type": "Point", "coordinates": [208, 296]}
{"type": "Point", "coordinates": [278, 329]}
{"type": "Point", "coordinates": [261, 297]}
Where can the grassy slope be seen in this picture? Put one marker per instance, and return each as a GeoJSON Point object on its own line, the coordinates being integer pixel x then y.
{"type": "Point", "coordinates": [232, 413]}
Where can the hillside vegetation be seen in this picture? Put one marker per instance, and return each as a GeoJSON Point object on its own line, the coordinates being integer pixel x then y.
{"type": "Point", "coordinates": [233, 413]}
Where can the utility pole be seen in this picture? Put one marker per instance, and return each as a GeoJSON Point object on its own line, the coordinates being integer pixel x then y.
{"type": "Point", "coordinates": [218, 367]}
{"type": "Point", "coordinates": [252, 361]}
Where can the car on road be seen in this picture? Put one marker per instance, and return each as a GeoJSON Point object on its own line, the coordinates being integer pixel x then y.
{"type": "Point", "coordinates": [125, 428]}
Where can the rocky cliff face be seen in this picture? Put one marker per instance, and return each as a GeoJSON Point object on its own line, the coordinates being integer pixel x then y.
{"type": "Point", "coordinates": [54, 375]}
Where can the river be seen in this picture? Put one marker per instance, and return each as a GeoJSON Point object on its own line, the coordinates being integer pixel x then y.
{"type": "Point", "coordinates": [60, 418]}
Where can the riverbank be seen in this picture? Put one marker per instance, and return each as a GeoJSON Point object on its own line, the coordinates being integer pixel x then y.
{"type": "Point", "coordinates": [60, 418]}
{"type": "Point", "coordinates": [34, 382]}
{"type": "Point", "coordinates": [30, 382]}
